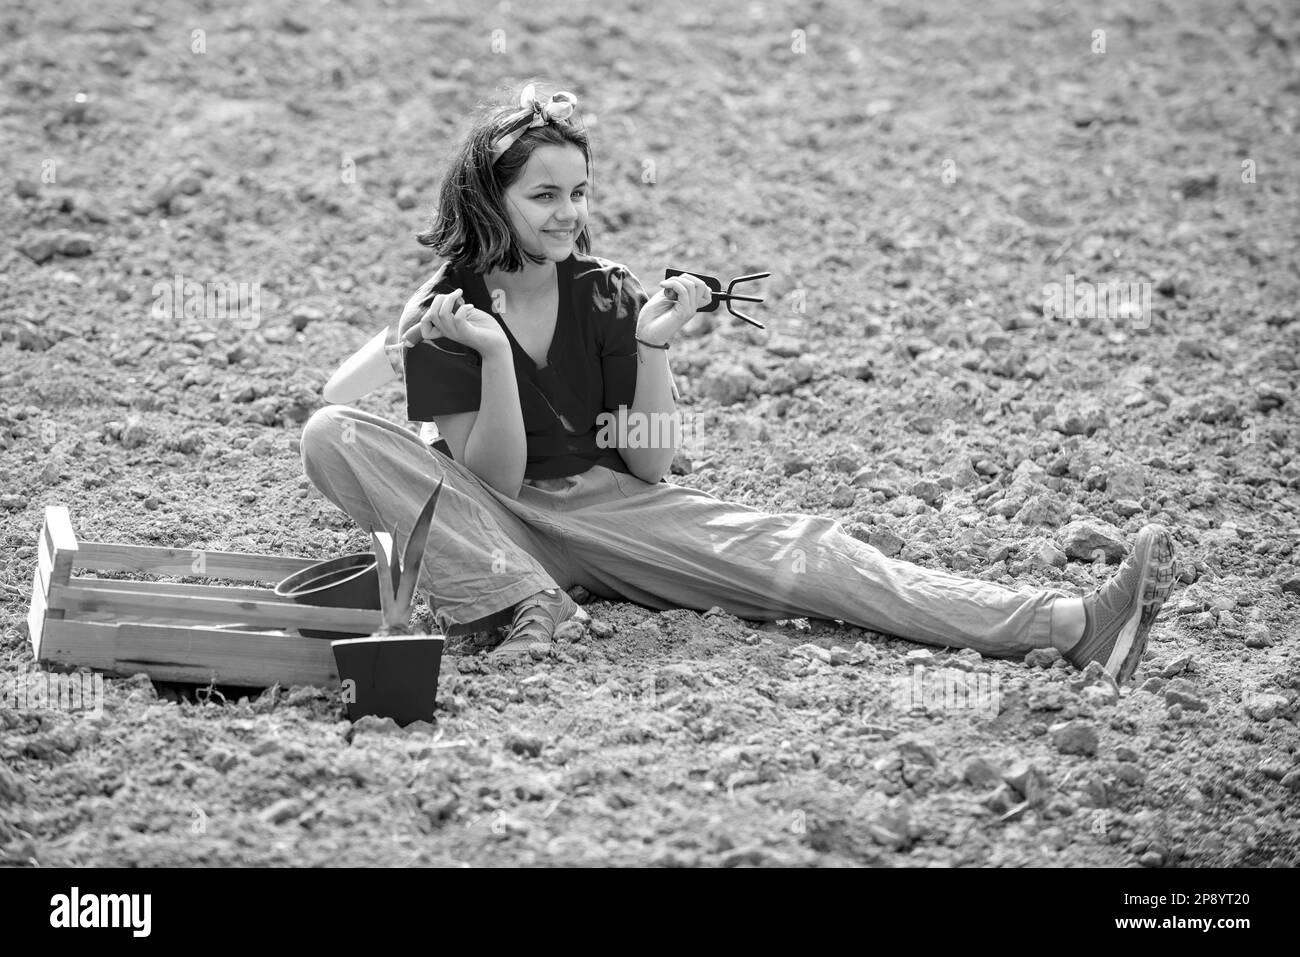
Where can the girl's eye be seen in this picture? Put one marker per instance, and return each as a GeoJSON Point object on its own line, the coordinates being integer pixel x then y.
{"type": "Point", "coordinates": [546, 195]}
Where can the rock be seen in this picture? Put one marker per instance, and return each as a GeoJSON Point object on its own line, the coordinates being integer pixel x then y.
{"type": "Point", "coordinates": [1083, 539]}
{"type": "Point", "coordinates": [1100, 696]}
{"type": "Point", "coordinates": [600, 628]}
{"type": "Point", "coordinates": [1074, 737]}
{"type": "Point", "coordinates": [134, 433]}
{"type": "Point", "coordinates": [1258, 635]}
{"type": "Point", "coordinates": [1042, 658]}
{"type": "Point", "coordinates": [40, 249]}
{"type": "Point", "coordinates": [796, 464]}
{"type": "Point", "coordinates": [1177, 666]}
{"type": "Point", "coordinates": [787, 347]}
{"type": "Point", "coordinates": [885, 541]}
{"type": "Point", "coordinates": [979, 773]}
{"type": "Point", "coordinates": [927, 491]}
{"type": "Point", "coordinates": [281, 811]}
{"type": "Point", "coordinates": [373, 724]}
{"type": "Point", "coordinates": [726, 382]}
{"type": "Point", "coordinates": [525, 745]}
{"type": "Point", "coordinates": [1126, 483]}
{"type": "Point", "coordinates": [843, 496]}
{"type": "Point", "coordinates": [1185, 700]}
{"type": "Point", "coordinates": [1026, 780]}
{"type": "Point", "coordinates": [1052, 556]}
{"type": "Point", "coordinates": [1291, 780]}
{"type": "Point", "coordinates": [917, 751]}
{"type": "Point", "coordinates": [1150, 859]}
{"type": "Point", "coordinates": [812, 652]}
{"type": "Point", "coordinates": [302, 316]}
{"type": "Point", "coordinates": [13, 502]}
{"type": "Point", "coordinates": [1082, 421]}
{"type": "Point", "coordinates": [76, 244]}
{"type": "Point", "coordinates": [1265, 707]}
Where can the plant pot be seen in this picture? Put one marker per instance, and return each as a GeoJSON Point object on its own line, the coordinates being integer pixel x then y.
{"type": "Point", "coordinates": [351, 581]}
{"type": "Point", "coordinates": [390, 676]}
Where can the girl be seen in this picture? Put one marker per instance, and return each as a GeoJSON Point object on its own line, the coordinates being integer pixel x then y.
{"type": "Point", "coordinates": [525, 339]}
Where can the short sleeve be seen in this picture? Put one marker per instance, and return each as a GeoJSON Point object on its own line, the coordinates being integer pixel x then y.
{"type": "Point", "coordinates": [618, 358]}
{"type": "Point", "coordinates": [440, 381]}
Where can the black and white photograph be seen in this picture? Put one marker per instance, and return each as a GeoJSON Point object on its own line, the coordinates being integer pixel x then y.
{"type": "Point", "coordinates": [774, 434]}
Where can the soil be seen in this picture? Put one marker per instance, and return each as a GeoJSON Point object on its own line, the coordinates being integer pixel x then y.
{"type": "Point", "coordinates": [915, 177]}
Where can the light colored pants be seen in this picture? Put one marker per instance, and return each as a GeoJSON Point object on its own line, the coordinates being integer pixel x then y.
{"type": "Point", "coordinates": [658, 545]}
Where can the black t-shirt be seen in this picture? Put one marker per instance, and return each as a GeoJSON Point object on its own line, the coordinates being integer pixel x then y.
{"type": "Point", "coordinates": [591, 366]}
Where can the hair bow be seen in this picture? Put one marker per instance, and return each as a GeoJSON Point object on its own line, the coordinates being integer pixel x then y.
{"type": "Point", "coordinates": [536, 113]}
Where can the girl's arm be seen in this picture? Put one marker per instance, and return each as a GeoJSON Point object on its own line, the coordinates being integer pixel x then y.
{"type": "Point", "coordinates": [651, 402]}
{"type": "Point", "coordinates": [491, 442]}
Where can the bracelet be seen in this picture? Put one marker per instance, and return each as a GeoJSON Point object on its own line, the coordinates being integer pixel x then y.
{"type": "Point", "coordinates": [651, 344]}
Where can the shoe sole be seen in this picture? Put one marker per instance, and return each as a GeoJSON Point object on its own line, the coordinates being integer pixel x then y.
{"type": "Point", "coordinates": [1157, 582]}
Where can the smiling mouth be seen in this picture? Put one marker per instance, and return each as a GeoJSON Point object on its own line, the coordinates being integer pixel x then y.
{"type": "Point", "coordinates": [559, 233]}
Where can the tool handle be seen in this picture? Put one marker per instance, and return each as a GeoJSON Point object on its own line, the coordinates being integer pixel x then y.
{"type": "Point", "coordinates": [413, 336]}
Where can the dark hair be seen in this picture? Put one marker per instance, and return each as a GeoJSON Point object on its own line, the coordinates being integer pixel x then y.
{"type": "Point", "coordinates": [470, 226]}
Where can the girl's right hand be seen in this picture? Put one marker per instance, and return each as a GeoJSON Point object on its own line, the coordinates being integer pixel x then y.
{"type": "Point", "coordinates": [450, 317]}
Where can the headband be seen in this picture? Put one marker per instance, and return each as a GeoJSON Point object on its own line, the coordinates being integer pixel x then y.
{"type": "Point", "coordinates": [534, 113]}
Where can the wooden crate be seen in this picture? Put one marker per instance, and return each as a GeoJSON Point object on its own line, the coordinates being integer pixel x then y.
{"type": "Point", "coordinates": [168, 630]}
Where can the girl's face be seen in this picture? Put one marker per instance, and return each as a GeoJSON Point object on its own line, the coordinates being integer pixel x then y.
{"type": "Point", "coordinates": [547, 204]}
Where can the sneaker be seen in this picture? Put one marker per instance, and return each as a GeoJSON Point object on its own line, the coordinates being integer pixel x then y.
{"type": "Point", "coordinates": [536, 619]}
{"type": "Point", "coordinates": [1119, 614]}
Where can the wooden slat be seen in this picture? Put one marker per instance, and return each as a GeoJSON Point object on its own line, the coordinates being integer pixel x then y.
{"type": "Point", "coordinates": [143, 604]}
{"type": "Point", "coordinates": [36, 614]}
{"type": "Point", "coordinates": [79, 643]}
{"type": "Point", "coordinates": [183, 589]}
{"type": "Point", "coordinates": [172, 653]}
{"type": "Point", "coordinates": [238, 566]}
{"type": "Point", "coordinates": [194, 655]}
{"type": "Point", "coordinates": [57, 537]}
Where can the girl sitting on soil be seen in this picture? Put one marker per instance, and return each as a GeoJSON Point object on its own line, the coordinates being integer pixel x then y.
{"type": "Point", "coordinates": [525, 340]}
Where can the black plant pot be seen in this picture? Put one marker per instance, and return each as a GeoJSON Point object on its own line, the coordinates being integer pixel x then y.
{"type": "Point", "coordinates": [351, 581]}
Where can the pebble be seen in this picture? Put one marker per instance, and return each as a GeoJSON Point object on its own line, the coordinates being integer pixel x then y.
{"type": "Point", "coordinates": [1052, 556]}
{"type": "Point", "coordinates": [1042, 658]}
{"type": "Point", "coordinates": [843, 496]}
{"type": "Point", "coordinates": [570, 631]}
{"type": "Point", "coordinates": [601, 629]}
{"type": "Point", "coordinates": [302, 316]}
{"type": "Point", "coordinates": [76, 244]}
{"type": "Point", "coordinates": [13, 503]}
{"type": "Point", "coordinates": [1025, 779]}
{"type": "Point", "coordinates": [979, 773]}
{"type": "Point", "coordinates": [1258, 635]}
{"type": "Point", "coordinates": [1074, 737]}
{"type": "Point", "coordinates": [526, 745]}
{"type": "Point", "coordinates": [1265, 707]}
{"type": "Point", "coordinates": [281, 811]}
{"type": "Point", "coordinates": [39, 249]}
{"type": "Point", "coordinates": [1178, 666]}
{"type": "Point", "coordinates": [1189, 702]}
{"type": "Point", "coordinates": [373, 724]}
{"type": "Point", "coordinates": [927, 491]}
{"type": "Point", "coordinates": [811, 652]}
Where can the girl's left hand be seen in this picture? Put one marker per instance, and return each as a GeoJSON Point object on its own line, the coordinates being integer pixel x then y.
{"type": "Point", "coordinates": [661, 318]}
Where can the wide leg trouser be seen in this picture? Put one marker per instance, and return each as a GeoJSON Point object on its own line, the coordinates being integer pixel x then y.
{"type": "Point", "coordinates": [659, 545]}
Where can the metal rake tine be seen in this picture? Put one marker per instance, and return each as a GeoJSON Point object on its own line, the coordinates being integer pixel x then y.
{"type": "Point", "coordinates": [414, 555]}
{"type": "Point", "coordinates": [750, 278]}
